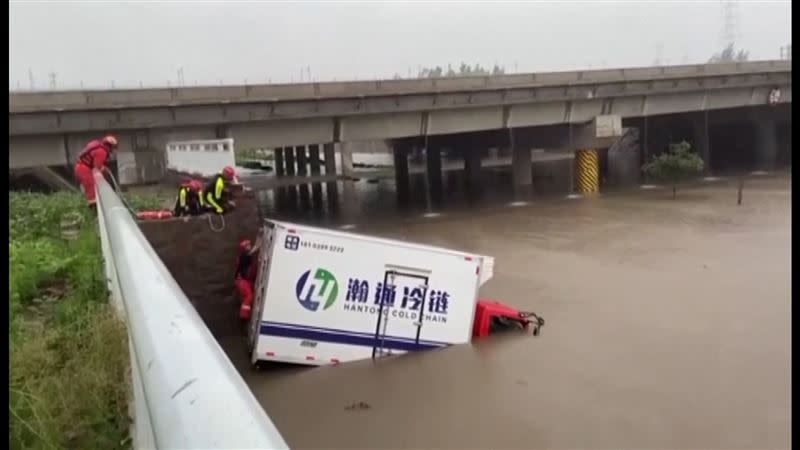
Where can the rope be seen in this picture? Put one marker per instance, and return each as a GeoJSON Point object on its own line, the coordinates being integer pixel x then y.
{"type": "Point", "coordinates": [119, 192]}
{"type": "Point", "coordinates": [211, 223]}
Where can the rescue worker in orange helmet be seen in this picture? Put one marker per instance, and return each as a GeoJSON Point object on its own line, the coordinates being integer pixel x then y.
{"type": "Point", "coordinates": [246, 271]}
{"type": "Point", "coordinates": [216, 195]}
{"type": "Point", "coordinates": [190, 199]}
{"type": "Point", "coordinates": [93, 157]}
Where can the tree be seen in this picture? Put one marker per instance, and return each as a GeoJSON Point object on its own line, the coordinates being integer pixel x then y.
{"type": "Point", "coordinates": [464, 70]}
{"type": "Point", "coordinates": [678, 163]}
{"type": "Point", "coordinates": [729, 54]}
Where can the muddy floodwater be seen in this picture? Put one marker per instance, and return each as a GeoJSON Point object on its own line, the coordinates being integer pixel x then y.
{"type": "Point", "coordinates": [668, 326]}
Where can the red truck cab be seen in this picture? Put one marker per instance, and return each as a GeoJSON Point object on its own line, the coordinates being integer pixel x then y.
{"type": "Point", "coordinates": [493, 317]}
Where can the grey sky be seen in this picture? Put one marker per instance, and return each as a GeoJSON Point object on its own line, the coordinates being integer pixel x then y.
{"type": "Point", "coordinates": [133, 42]}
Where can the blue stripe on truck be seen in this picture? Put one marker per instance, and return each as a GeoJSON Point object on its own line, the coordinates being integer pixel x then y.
{"type": "Point", "coordinates": [344, 337]}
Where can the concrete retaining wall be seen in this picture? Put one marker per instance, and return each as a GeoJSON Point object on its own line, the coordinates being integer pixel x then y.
{"type": "Point", "coordinates": [203, 261]}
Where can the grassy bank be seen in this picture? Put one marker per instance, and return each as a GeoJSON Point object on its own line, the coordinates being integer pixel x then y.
{"type": "Point", "coordinates": [67, 350]}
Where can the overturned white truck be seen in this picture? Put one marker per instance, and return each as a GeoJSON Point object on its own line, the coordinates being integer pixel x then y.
{"type": "Point", "coordinates": [327, 297]}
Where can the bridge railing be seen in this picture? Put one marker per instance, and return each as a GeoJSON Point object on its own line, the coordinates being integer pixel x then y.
{"type": "Point", "coordinates": [186, 392]}
{"type": "Point", "coordinates": [115, 99]}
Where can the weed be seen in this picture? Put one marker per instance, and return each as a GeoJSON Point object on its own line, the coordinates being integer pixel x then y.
{"type": "Point", "coordinates": [68, 351]}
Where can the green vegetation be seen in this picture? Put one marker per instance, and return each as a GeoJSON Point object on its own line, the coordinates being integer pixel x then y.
{"type": "Point", "coordinates": [248, 155]}
{"type": "Point", "coordinates": [680, 162]}
{"type": "Point", "coordinates": [68, 353]}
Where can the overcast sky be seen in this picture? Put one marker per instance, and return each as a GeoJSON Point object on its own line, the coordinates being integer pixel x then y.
{"type": "Point", "coordinates": [130, 43]}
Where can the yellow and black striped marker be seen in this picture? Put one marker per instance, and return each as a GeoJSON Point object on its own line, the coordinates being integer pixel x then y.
{"type": "Point", "coordinates": [587, 171]}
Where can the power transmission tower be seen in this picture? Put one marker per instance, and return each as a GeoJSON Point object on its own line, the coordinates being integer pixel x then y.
{"type": "Point", "coordinates": [52, 76]}
{"type": "Point", "coordinates": [30, 79]}
{"type": "Point", "coordinates": [730, 23]}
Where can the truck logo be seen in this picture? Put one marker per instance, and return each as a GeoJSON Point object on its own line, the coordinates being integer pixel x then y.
{"type": "Point", "coordinates": [322, 289]}
{"type": "Point", "coordinates": [292, 242]}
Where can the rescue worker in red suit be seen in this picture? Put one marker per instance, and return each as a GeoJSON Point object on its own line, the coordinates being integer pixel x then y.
{"type": "Point", "coordinates": [93, 157]}
{"type": "Point", "coordinates": [246, 271]}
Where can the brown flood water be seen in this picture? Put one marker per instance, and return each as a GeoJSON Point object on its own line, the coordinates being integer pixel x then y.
{"type": "Point", "coordinates": [668, 326]}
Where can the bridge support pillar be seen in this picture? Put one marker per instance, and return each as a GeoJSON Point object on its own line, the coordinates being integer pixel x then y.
{"type": "Point", "coordinates": [280, 171]}
{"type": "Point", "coordinates": [433, 166]}
{"type": "Point", "coordinates": [331, 187]}
{"type": "Point", "coordinates": [315, 166]}
{"type": "Point", "coordinates": [472, 168]}
{"type": "Point", "coordinates": [302, 160]}
{"type": "Point", "coordinates": [291, 191]}
{"type": "Point", "coordinates": [401, 176]}
{"type": "Point", "coordinates": [766, 144]}
{"type": "Point", "coordinates": [280, 168]}
{"type": "Point", "coordinates": [702, 140]}
{"type": "Point", "coordinates": [587, 171]}
{"type": "Point", "coordinates": [346, 154]}
{"type": "Point", "coordinates": [521, 171]}
{"type": "Point", "coordinates": [302, 171]}
{"type": "Point", "coordinates": [289, 158]}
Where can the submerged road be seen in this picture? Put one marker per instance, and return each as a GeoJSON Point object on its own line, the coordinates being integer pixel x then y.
{"type": "Point", "coordinates": [668, 325]}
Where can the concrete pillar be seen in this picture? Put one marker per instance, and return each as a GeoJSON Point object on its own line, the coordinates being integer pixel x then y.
{"type": "Point", "coordinates": [289, 156]}
{"type": "Point", "coordinates": [433, 166]}
{"type": "Point", "coordinates": [330, 158]}
{"type": "Point", "coordinates": [331, 187]}
{"type": "Point", "coordinates": [472, 167]}
{"type": "Point", "coordinates": [313, 159]}
{"type": "Point", "coordinates": [346, 154]}
{"type": "Point", "coordinates": [302, 171]}
{"type": "Point", "coordinates": [280, 168]}
{"type": "Point", "coordinates": [766, 144]}
{"type": "Point", "coordinates": [587, 171]}
{"type": "Point", "coordinates": [702, 140]}
{"type": "Point", "coordinates": [302, 160]}
{"type": "Point", "coordinates": [623, 159]}
{"type": "Point", "coordinates": [291, 191]}
{"type": "Point", "coordinates": [401, 175]}
{"type": "Point", "coordinates": [314, 164]}
{"type": "Point", "coordinates": [280, 171]}
{"type": "Point", "coordinates": [222, 132]}
{"type": "Point", "coordinates": [521, 171]}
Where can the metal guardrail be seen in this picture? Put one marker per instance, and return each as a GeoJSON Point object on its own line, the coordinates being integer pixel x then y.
{"type": "Point", "coordinates": [186, 392]}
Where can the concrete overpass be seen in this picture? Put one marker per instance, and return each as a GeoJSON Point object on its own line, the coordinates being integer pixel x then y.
{"type": "Point", "coordinates": [49, 128]}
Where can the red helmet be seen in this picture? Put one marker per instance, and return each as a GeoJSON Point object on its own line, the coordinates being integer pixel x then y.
{"type": "Point", "coordinates": [110, 142]}
{"type": "Point", "coordinates": [228, 173]}
{"type": "Point", "coordinates": [195, 185]}
{"type": "Point", "coordinates": [244, 245]}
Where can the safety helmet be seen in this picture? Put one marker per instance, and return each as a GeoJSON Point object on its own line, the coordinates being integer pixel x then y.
{"type": "Point", "coordinates": [244, 245]}
{"type": "Point", "coordinates": [110, 142]}
{"type": "Point", "coordinates": [195, 185]}
{"type": "Point", "coordinates": [228, 173]}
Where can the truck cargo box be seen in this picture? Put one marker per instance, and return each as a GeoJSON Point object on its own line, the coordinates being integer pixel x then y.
{"type": "Point", "coordinates": [325, 297]}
